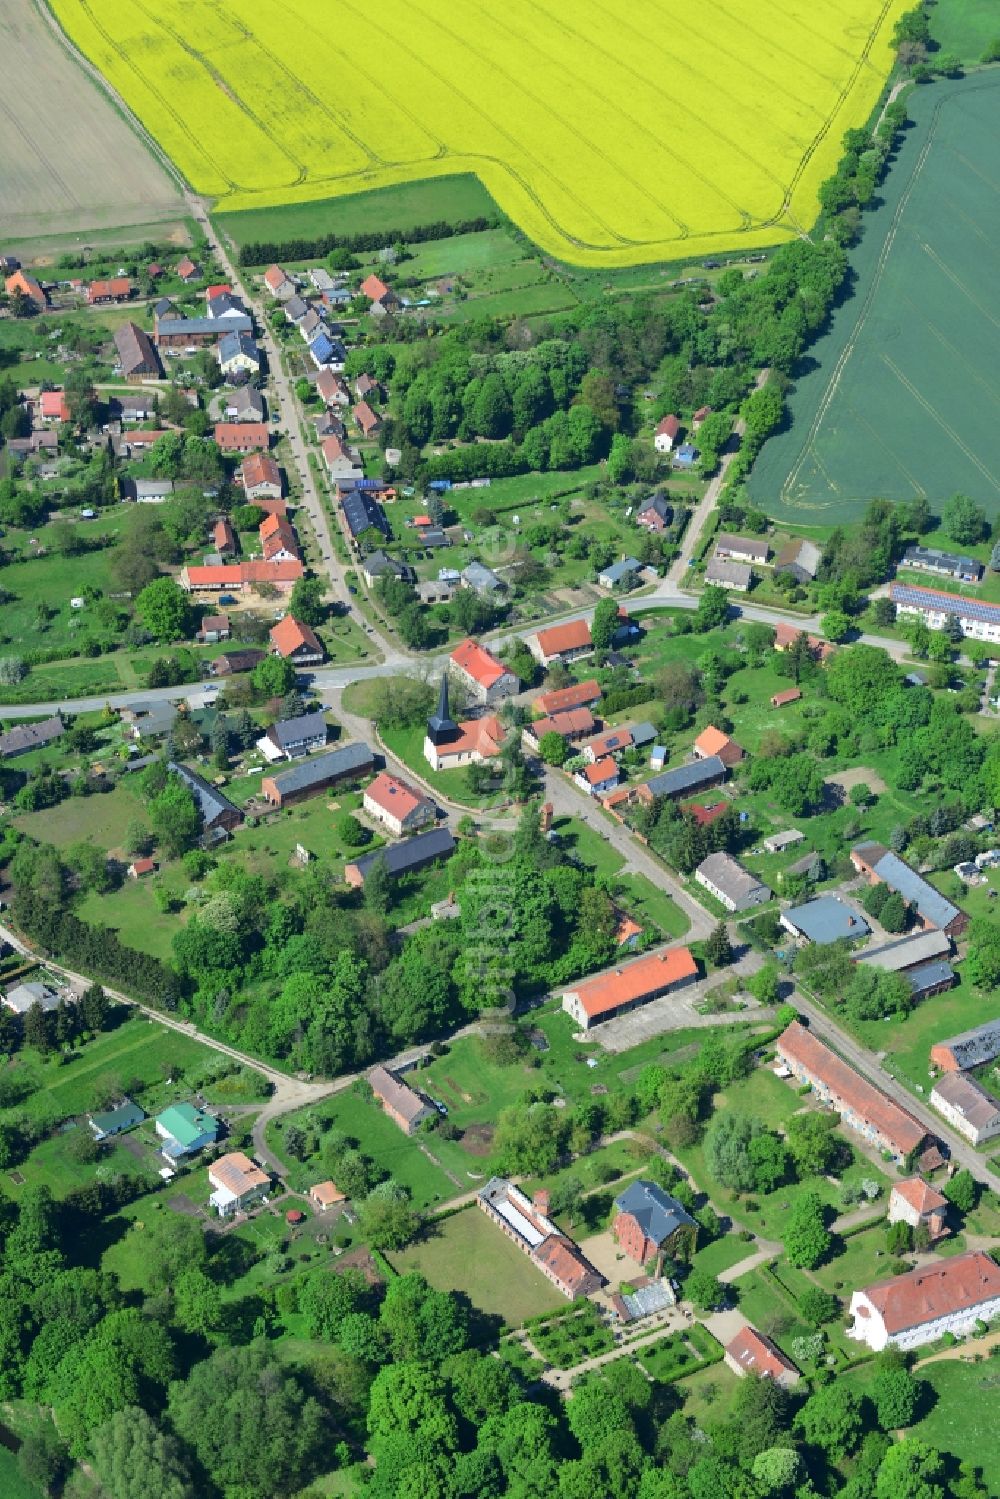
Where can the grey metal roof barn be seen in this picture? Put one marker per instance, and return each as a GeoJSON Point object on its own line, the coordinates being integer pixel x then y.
{"type": "Point", "coordinates": [893, 957]}
{"type": "Point", "coordinates": [687, 778]}
{"type": "Point", "coordinates": [826, 919]}
{"type": "Point", "coordinates": [412, 853]}
{"type": "Point", "coordinates": [929, 903]}
{"type": "Point", "coordinates": [209, 799]}
{"type": "Point", "coordinates": [297, 730]}
{"type": "Point", "coordinates": [29, 736]}
{"type": "Point", "coordinates": [322, 768]}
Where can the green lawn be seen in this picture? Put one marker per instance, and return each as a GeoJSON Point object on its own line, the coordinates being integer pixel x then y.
{"type": "Point", "coordinates": [469, 1253]}
{"type": "Point", "coordinates": [722, 1254]}
{"type": "Point", "coordinates": [98, 819]}
{"type": "Point", "coordinates": [398, 1154]}
{"type": "Point", "coordinates": [649, 905]}
{"type": "Point", "coordinates": [408, 745]}
{"type": "Point", "coordinates": [139, 1052]}
{"type": "Point", "coordinates": [963, 1420]}
{"type": "Point", "coordinates": [584, 843]}
{"type": "Point", "coordinates": [51, 1165]}
{"type": "Point", "coordinates": [864, 1259]}
{"type": "Point", "coordinates": [132, 911]}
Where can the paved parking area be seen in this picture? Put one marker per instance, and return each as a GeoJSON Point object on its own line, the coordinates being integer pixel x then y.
{"type": "Point", "coordinates": [675, 1012]}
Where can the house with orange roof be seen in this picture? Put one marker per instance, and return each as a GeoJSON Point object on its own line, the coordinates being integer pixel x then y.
{"type": "Point", "coordinates": [368, 420]}
{"type": "Point", "coordinates": [223, 537]}
{"type": "Point", "coordinates": [580, 695]}
{"type": "Point", "coordinates": [785, 635]}
{"type": "Point", "coordinates": [561, 642]}
{"type": "Point", "coordinates": [616, 991]}
{"type": "Point", "coordinates": [222, 289]}
{"type": "Point", "coordinates": [396, 804]}
{"type": "Point", "coordinates": [232, 575]}
{"type": "Point", "coordinates": [278, 541]}
{"type": "Point", "coordinates": [374, 288]}
{"type": "Point", "coordinates": [917, 1203]}
{"type": "Point", "coordinates": [483, 675]}
{"type": "Point", "coordinates": [279, 283]}
{"type": "Point", "coordinates": [612, 742]}
{"type": "Point", "coordinates": [526, 1223]}
{"type": "Point", "coordinates": [713, 741]}
{"type": "Point", "coordinates": [241, 437]}
{"type": "Point", "coordinates": [907, 1311]}
{"type": "Point", "coordinates": [238, 1182]}
{"type": "Point", "coordinates": [188, 269]}
{"type": "Point", "coordinates": [28, 287]}
{"type": "Point", "coordinates": [117, 289]}
{"type": "Point", "coordinates": [326, 1195]}
{"type": "Point", "coordinates": [448, 744]}
{"type": "Point", "coordinates": [296, 642]}
{"type": "Point", "coordinates": [53, 407]}
{"type": "Point", "coordinates": [260, 477]}
{"type": "Point", "coordinates": [573, 725]}
{"type": "Point", "coordinates": [750, 1352]}
{"type": "Point", "coordinates": [598, 776]}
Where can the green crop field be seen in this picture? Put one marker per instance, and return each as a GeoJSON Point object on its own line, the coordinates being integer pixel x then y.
{"type": "Point", "coordinates": [901, 398]}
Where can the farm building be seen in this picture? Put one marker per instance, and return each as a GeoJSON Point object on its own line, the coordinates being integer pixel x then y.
{"type": "Point", "coordinates": [573, 725]}
{"type": "Point", "coordinates": [403, 1104]}
{"type": "Point", "coordinates": [908, 952]}
{"type": "Point", "coordinates": [402, 858]}
{"type": "Point", "coordinates": [786, 697]}
{"type": "Point", "coordinates": [800, 559]}
{"type": "Point", "coordinates": [970, 1049]}
{"type": "Point", "coordinates": [732, 886]}
{"type": "Point", "coordinates": [137, 359]}
{"type": "Point", "coordinates": [685, 780]}
{"type": "Point", "coordinates": [580, 695]}
{"type": "Point", "coordinates": [861, 1106]}
{"type": "Point", "coordinates": [110, 1122]}
{"type": "Point", "coordinates": [219, 815]}
{"type": "Point", "coordinates": [825, 919]}
{"type": "Point", "coordinates": [967, 1105]}
{"type": "Point", "coordinates": [881, 866]}
{"type": "Point", "coordinates": [347, 763]}
{"type": "Point", "coordinates": [24, 738]}
{"type": "Point", "coordinates": [596, 1000]}
{"type": "Point", "coordinates": [242, 437]}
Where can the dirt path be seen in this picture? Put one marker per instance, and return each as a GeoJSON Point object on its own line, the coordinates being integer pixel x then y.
{"type": "Point", "coordinates": [965, 1351]}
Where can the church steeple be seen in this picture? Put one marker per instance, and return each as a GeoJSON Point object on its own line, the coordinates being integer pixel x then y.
{"type": "Point", "coordinates": [441, 726]}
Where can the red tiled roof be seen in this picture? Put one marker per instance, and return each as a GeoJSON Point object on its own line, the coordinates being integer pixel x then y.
{"type": "Point", "coordinates": [237, 573]}
{"type": "Point", "coordinates": [668, 427]}
{"type": "Point", "coordinates": [366, 418]}
{"type": "Point", "coordinates": [572, 637]}
{"type": "Point", "coordinates": [478, 663]}
{"type": "Point", "coordinates": [394, 796]}
{"type": "Point", "coordinates": [118, 286]}
{"type": "Point", "coordinates": [920, 1195]}
{"type": "Point", "coordinates": [237, 1173]}
{"type": "Point", "coordinates": [566, 1263]}
{"type": "Point", "coordinates": [373, 288]}
{"type": "Point", "coordinates": [868, 1102]}
{"type": "Point", "coordinates": [568, 697]}
{"type": "Point", "coordinates": [789, 695]}
{"type": "Point", "coordinates": [704, 816]}
{"type": "Point", "coordinates": [758, 1355]}
{"type": "Point", "coordinates": [290, 634]}
{"type": "Point", "coordinates": [601, 770]}
{"type": "Point", "coordinates": [573, 722]}
{"type": "Point", "coordinates": [52, 403]}
{"type": "Point", "coordinates": [713, 741]}
{"type": "Point", "coordinates": [610, 742]}
{"type": "Point", "coordinates": [142, 866]}
{"type": "Point", "coordinates": [281, 538]}
{"type": "Point", "coordinates": [233, 436]}
{"type": "Point", "coordinates": [937, 1290]}
{"type": "Point", "coordinates": [217, 291]}
{"type": "Point", "coordinates": [484, 735]}
{"type": "Point", "coordinates": [222, 534]}
{"type": "Point", "coordinates": [650, 975]}
{"type": "Point", "coordinates": [275, 277]}
{"type": "Point", "coordinates": [259, 468]}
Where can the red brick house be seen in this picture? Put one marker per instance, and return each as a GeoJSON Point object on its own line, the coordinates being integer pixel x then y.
{"type": "Point", "coordinates": [403, 1104]}
{"type": "Point", "coordinates": [649, 1224]}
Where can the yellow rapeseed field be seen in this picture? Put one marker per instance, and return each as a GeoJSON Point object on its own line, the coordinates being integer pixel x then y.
{"type": "Point", "coordinates": [613, 134]}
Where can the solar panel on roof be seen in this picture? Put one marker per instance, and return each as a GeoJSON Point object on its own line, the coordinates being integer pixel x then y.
{"type": "Point", "coordinates": [945, 603]}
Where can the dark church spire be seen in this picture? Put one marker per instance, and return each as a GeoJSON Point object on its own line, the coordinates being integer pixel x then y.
{"type": "Point", "coordinates": [441, 726]}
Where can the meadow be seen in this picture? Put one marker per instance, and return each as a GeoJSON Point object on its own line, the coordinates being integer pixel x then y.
{"type": "Point", "coordinates": [608, 146]}
{"type": "Point", "coordinates": [899, 399]}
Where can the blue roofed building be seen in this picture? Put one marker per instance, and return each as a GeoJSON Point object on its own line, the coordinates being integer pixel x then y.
{"type": "Point", "coordinates": [649, 1224]}
{"type": "Point", "coordinates": [363, 513]}
{"type": "Point", "coordinates": [622, 574]}
{"type": "Point", "coordinates": [238, 354]}
{"type": "Point", "coordinates": [825, 919]}
{"type": "Point", "coordinates": [686, 456]}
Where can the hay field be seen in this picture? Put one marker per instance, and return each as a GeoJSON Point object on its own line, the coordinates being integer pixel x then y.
{"type": "Point", "coordinates": [902, 396]}
{"type": "Point", "coordinates": [667, 128]}
{"type": "Point", "coordinates": [68, 161]}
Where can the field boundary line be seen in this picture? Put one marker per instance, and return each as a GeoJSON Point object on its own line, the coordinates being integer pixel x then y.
{"type": "Point", "coordinates": [935, 416]}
